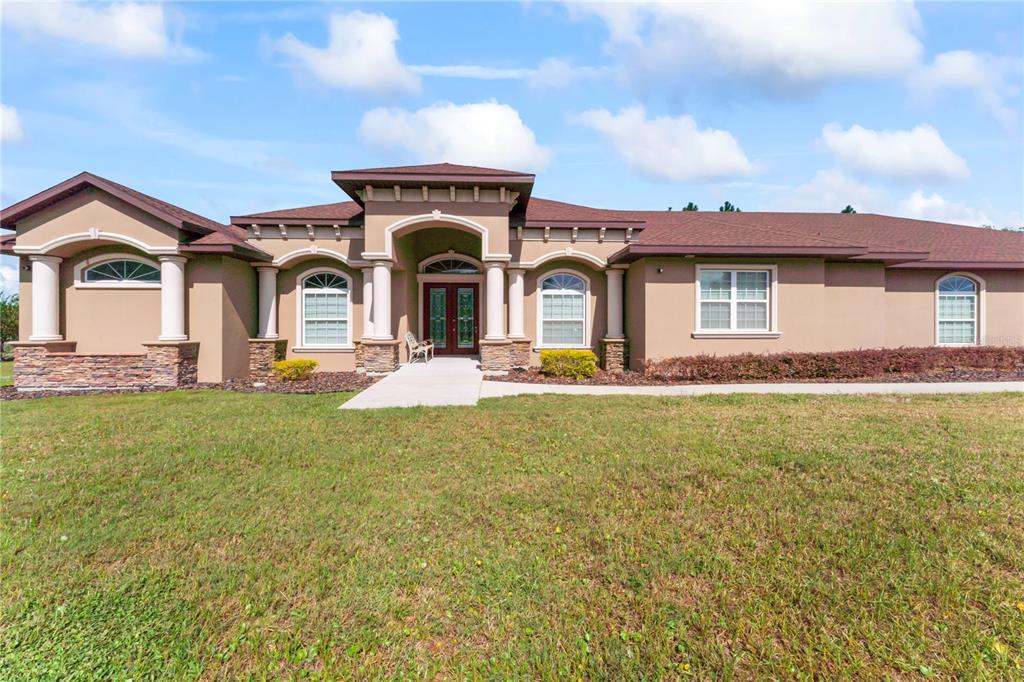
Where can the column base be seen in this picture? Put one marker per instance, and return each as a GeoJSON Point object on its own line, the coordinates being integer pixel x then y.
{"type": "Point", "coordinates": [377, 357]}
{"type": "Point", "coordinates": [263, 353]}
{"type": "Point", "coordinates": [495, 356]}
{"type": "Point", "coordinates": [519, 355]}
{"type": "Point", "coordinates": [614, 354]}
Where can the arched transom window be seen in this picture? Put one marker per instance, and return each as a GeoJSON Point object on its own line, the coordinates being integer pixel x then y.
{"type": "Point", "coordinates": [325, 309]}
{"type": "Point", "coordinates": [451, 266]}
{"type": "Point", "coordinates": [122, 271]}
{"type": "Point", "coordinates": [957, 311]}
{"type": "Point", "coordinates": [563, 311]}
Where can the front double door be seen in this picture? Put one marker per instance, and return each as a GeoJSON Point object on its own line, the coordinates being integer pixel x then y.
{"type": "Point", "coordinates": [451, 316]}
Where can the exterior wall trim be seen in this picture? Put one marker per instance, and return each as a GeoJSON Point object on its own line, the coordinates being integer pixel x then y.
{"type": "Point", "coordinates": [84, 265]}
{"type": "Point", "coordinates": [436, 216]}
{"type": "Point", "coordinates": [314, 250]}
{"type": "Point", "coordinates": [300, 287]}
{"type": "Point", "coordinates": [979, 332]}
{"type": "Point", "coordinates": [773, 303]}
{"type": "Point", "coordinates": [95, 234]}
{"type": "Point", "coordinates": [588, 317]}
{"type": "Point", "coordinates": [567, 252]}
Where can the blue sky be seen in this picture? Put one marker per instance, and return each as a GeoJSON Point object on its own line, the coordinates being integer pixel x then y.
{"type": "Point", "coordinates": [228, 108]}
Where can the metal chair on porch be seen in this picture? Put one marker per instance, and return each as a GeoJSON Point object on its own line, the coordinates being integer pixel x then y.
{"type": "Point", "coordinates": [417, 347]}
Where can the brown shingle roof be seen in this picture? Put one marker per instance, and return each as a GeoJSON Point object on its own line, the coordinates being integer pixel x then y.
{"type": "Point", "coordinates": [342, 211]}
{"type": "Point", "coordinates": [435, 169]}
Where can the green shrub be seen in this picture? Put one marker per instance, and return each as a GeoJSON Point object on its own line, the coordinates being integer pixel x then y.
{"type": "Point", "coordinates": [294, 370]}
{"type": "Point", "coordinates": [577, 364]}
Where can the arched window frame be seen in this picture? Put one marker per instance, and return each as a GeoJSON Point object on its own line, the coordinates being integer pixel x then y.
{"type": "Point", "coordinates": [451, 255]}
{"type": "Point", "coordinates": [587, 315]}
{"type": "Point", "coordinates": [94, 261]}
{"type": "Point", "coordinates": [979, 308]}
{"type": "Point", "coordinates": [300, 311]}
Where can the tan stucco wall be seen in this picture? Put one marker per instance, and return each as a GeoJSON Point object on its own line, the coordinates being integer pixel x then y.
{"type": "Point", "coordinates": [381, 215]}
{"type": "Point", "coordinates": [910, 306]}
{"type": "Point", "coordinates": [636, 314]}
{"type": "Point", "coordinates": [527, 252]}
{"type": "Point", "coordinates": [351, 249]}
{"type": "Point", "coordinates": [287, 312]}
{"type": "Point", "coordinates": [220, 314]}
{"type": "Point", "coordinates": [107, 320]}
{"type": "Point", "coordinates": [597, 302]}
{"type": "Point", "coordinates": [88, 210]}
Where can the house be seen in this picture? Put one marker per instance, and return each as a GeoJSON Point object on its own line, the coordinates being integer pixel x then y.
{"type": "Point", "coordinates": [119, 288]}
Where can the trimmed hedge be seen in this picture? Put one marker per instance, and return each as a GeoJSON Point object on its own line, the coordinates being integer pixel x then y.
{"type": "Point", "coordinates": [576, 364]}
{"type": "Point", "coordinates": [854, 364]}
{"type": "Point", "coordinates": [295, 370]}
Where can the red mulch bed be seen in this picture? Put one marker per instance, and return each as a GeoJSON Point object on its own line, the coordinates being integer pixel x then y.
{"type": "Point", "coordinates": [320, 382]}
{"type": "Point", "coordinates": [602, 378]}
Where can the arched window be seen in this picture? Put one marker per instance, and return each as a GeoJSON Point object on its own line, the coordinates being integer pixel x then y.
{"type": "Point", "coordinates": [957, 313]}
{"type": "Point", "coordinates": [563, 311]}
{"type": "Point", "coordinates": [451, 266]}
{"type": "Point", "coordinates": [325, 309]}
{"type": "Point", "coordinates": [118, 272]}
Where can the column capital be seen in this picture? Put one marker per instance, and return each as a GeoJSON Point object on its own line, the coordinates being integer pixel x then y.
{"type": "Point", "coordinates": [46, 259]}
{"type": "Point", "coordinates": [493, 265]}
{"type": "Point", "coordinates": [266, 268]}
{"type": "Point", "coordinates": [172, 259]}
{"type": "Point", "coordinates": [516, 271]}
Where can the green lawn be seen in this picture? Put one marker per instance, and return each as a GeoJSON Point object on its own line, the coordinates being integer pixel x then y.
{"type": "Point", "coordinates": [6, 373]}
{"type": "Point", "coordinates": [205, 534]}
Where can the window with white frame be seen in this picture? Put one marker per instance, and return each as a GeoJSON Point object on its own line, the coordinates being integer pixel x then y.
{"type": "Point", "coordinates": [325, 310]}
{"type": "Point", "coordinates": [957, 311]}
{"type": "Point", "coordinates": [563, 311]}
{"type": "Point", "coordinates": [122, 271]}
{"type": "Point", "coordinates": [734, 300]}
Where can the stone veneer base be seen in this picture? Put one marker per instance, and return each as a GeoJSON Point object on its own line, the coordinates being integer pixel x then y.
{"type": "Point", "coordinates": [377, 357]}
{"type": "Point", "coordinates": [614, 354]}
{"type": "Point", "coordinates": [55, 366]}
{"type": "Point", "coordinates": [496, 356]}
{"type": "Point", "coordinates": [519, 355]}
{"type": "Point", "coordinates": [263, 353]}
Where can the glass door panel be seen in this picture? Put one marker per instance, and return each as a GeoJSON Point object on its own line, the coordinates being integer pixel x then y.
{"type": "Point", "coordinates": [437, 316]}
{"type": "Point", "coordinates": [465, 304]}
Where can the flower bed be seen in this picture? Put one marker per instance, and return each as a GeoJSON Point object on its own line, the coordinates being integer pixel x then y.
{"type": "Point", "coordinates": [899, 365]}
{"type": "Point", "coordinates": [320, 382]}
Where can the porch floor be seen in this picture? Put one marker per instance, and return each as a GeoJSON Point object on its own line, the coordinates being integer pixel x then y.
{"type": "Point", "coordinates": [442, 381]}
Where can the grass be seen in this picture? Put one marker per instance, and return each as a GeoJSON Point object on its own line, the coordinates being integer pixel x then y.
{"type": "Point", "coordinates": [205, 535]}
{"type": "Point", "coordinates": [6, 373]}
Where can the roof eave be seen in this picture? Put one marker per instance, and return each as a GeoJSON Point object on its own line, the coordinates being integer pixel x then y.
{"type": "Point", "coordinates": [636, 251]}
{"type": "Point", "coordinates": [961, 265]}
{"type": "Point", "coordinates": [243, 252]}
{"type": "Point", "coordinates": [274, 221]}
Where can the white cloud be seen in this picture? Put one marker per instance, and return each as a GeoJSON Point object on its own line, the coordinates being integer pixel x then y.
{"type": "Point", "coordinates": [992, 80]}
{"type": "Point", "coordinates": [484, 133]}
{"type": "Point", "coordinates": [669, 148]}
{"type": "Point", "coordinates": [8, 275]}
{"type": "Point", "coordinates": [10, 124]}
{"type": "Point", "coordinates": [781, 43]}
{"type": "Point", "coordinates": [935, 207]}
{"type": "Point", "coordinates": [473, 71]}
{"type": "Point", "coordinates": [915, 154]}
{"type": "Point", "coordinates": [830, 191]}
{"type": "Point", "coordinates": [360, 55]}
{"type": "Point", "coordinates": [555, 73]}
{"type": "Point", "coordinates": [124, 29]}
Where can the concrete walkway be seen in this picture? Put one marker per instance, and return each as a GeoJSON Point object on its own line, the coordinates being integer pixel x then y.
{"type": "Point", "coordinates": [499, 389]}
{"type": "Point", "coordinates": [442, 381]}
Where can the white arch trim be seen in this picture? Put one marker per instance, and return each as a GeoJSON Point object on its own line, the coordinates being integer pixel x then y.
{"type": "Point", "coordinates": [567, 252]}
{"type": "Point", "coordinates": [446, 255]}
{"type": "Point", "coordinates": [980, 313]}
{"type": "Point", "coordinates": [300, 305]}
{"type": "Point", "coordinates": [436, 216]}
{"type": "Point", "coordinates": [588, 315]}
{"type": "Point", "coordinates": [314, 250]}
{"type": "Point", "coordinates": [87, 263]}
{"type": "Point", "coordinates": [95, 234]}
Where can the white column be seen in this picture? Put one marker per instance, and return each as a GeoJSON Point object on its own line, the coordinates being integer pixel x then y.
{"type": "Point", "coordinates": [516, 289]}
{"type": "Point", "coordinates": [45, 298]}
{"type": "Point", "coordinates": [268, 301]}
{"type": "Point", "coordinates": [367, 303]}
{"type": "Point", "coordinates": [614, 330]}
{"type": "Point", "coordinates": [172, 298]}
{"type": "Point", "coordinates": [382, 300]}
{"type": "Point", "coordinates": [495, 298]}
